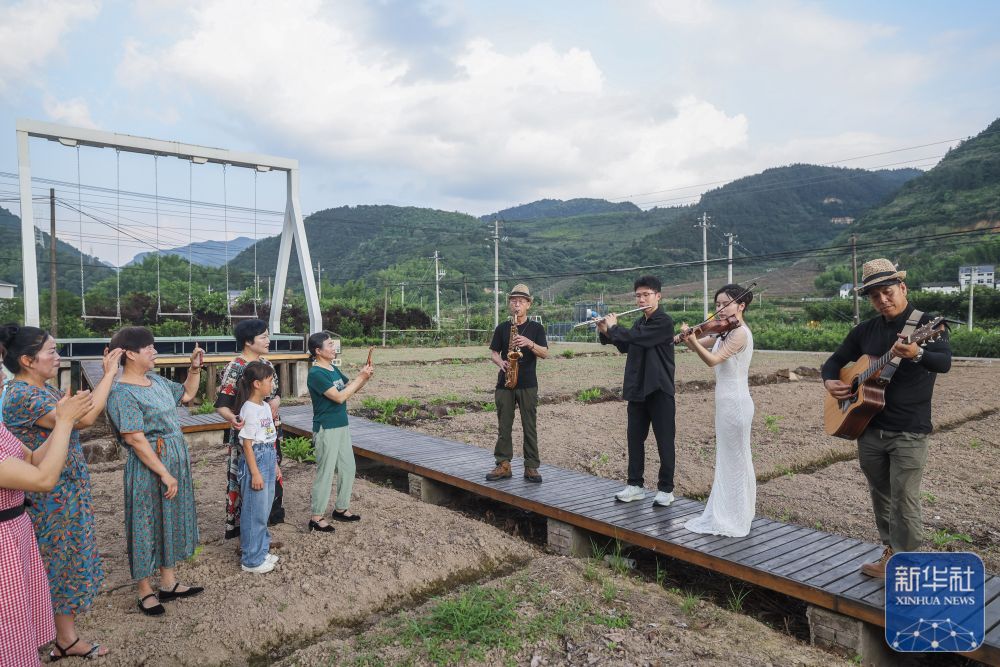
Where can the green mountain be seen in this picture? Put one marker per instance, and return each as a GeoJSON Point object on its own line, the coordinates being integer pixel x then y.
{"type": "Point", "coordinates": [786, 208]}
{"type": "Point", "coordinates": [557, 208]}
{"type": "Point", "coordinates": [960, 194]}
{"type": "Point", "coordinates": [67, 259]}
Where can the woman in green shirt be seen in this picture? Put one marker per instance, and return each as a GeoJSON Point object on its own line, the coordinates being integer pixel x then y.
{"type": "Point", "coordinates": [329, 390]}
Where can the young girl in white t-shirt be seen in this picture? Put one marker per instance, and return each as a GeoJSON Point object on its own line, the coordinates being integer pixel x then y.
{"type": "Point", "coordinates": [257, 466]}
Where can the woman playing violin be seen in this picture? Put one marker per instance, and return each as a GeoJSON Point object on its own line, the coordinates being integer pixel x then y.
{"type": "Point", "coordinates": [730, 507]}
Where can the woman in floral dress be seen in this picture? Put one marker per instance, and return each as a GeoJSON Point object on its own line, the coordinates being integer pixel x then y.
{"type": "Point", "coordinates": [161, 526]}
{"type": "Point", "coordinates": [63, 517]}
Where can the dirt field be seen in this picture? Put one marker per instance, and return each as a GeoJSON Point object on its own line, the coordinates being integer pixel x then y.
{"type": "Point", "coordinates": [364, 595]}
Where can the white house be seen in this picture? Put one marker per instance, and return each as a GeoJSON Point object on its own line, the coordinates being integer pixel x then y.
{"type": "Point", "coordinates": [984, 275]}
{"type": "Point", "coordinates": [7, 290]}
{"type": "Point", "coordinates": [846, 290]}
{"type": "Point", "coordinates": [942, 288]}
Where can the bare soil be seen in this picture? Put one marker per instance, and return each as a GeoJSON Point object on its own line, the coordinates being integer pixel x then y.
{"type": "Point", "coordinates": [333, 596]}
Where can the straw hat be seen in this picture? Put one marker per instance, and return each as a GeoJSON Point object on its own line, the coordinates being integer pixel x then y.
{"type": "Point", "coordinates": [879, 272]}
{"type": "Point", "coordinates": [521, 290]}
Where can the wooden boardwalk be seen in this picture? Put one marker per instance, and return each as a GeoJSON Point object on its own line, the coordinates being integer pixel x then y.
{"type": "Point", "coordinates": [811, 565]}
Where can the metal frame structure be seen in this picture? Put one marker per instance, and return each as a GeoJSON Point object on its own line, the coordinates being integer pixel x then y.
{"type": "Point", "coordinates": [292, 228]}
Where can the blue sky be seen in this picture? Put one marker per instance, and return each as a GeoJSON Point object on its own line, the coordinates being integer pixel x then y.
{"type": "Point", "coordinates": [477, 106]}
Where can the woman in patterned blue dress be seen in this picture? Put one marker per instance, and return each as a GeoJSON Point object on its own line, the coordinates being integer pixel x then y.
{"type": "Point", "coordinates": [161, 526]}
{"type": "Point", "coordinates": [64, 517]}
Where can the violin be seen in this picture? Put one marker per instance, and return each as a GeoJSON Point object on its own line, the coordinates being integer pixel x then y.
{"type": "Point", "coordinates": [717, 326]}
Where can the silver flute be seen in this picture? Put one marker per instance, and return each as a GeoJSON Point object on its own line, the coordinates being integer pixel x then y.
{"type": "Point", "coordinates": [598, 319]}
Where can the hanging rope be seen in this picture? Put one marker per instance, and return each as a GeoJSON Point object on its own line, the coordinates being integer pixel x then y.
{"type": "Point", "coordinates": [79, 217]}
{"type": "Point", "coordinates": [256, 281]}
{"type": "Point", "coordinates": [225, 238]}
{"type": "Point", "coordinates": [190, 237]}
{"type": "Point", "coordinates": [156, 200]}
{"type": "Point", "coordinates": [118, 226]}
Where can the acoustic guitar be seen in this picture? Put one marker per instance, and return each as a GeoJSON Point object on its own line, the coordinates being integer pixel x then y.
{"type": "Point", "coordinates": [849, 417]}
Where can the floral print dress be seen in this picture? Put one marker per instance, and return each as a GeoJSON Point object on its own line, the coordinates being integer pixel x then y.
{"type": "Point", "coordinates": [63, 517]}
{"type": "Point", "coordinates": [159, 532]}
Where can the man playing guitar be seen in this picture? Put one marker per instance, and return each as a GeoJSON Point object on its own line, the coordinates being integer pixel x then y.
{"type": "Point", "coordinates": [892, 450]}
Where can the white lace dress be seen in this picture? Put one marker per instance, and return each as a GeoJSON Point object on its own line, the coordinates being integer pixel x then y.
{"type": "Point", "coordinates": [730, 506]}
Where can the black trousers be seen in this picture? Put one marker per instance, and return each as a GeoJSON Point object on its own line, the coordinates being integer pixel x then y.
{"type": "Point", "coordinates": [659, 411]}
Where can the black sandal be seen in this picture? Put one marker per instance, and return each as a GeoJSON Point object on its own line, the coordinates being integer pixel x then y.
{"type": "Point", "coordinates": [155, 610]}
{"type": "Point", "coordinates": [343, 516]}
{"type": "Point", "coordinates": [64, 652]}
{"type": "Point", "coordinates": [173, 593]}
{"type": "Point", "coordinates": [317, 526]}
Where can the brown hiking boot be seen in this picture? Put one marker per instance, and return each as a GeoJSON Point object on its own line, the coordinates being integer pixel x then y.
{"type": "Point", "coordinates": [877, 569]}
{"type": "Point", "coordinates": [502, 471]}
{"type": "Point", "coordinates": [531, 474]}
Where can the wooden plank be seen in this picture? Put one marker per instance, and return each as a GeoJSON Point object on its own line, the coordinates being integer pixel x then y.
{"type": "Point", "coordinates": [797, 555]}
{"type": "Point", "coordinates": [702, 541]}
{"type": "Point", "coordinates": [818, 574]}
{"type": "Point", "coordinates": [829, 555]}
{"type": "Point", "coordinates": [828, 578]}
{"type": "Point", "coordinates": [753, 544]}
{"type": "Point", "coordinates": [783, 547]}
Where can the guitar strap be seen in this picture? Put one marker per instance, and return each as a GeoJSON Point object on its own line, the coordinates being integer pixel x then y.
{"type": "Point", "coordinates": [890, 368]}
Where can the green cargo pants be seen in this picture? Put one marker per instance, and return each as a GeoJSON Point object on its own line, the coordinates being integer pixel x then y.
{"type": "Point", "coordinates": [527, 401]}
{"type": "Point", "coordinates": [893, 463]}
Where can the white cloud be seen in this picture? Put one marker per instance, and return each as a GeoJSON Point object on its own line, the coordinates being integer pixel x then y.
{"type": "Point", "coordinates": [32, 30]}
{"type": "Point", "coordinates": [536, 121]}
{"type": "Point", "coordinates": [70, 112]}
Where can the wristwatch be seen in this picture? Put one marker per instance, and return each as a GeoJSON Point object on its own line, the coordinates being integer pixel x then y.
{"type": "Point", "coordinates": [920, 355]}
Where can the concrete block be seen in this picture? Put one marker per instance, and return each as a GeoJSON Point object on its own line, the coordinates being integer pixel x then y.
{"type": "Point", "coordinates": [430, 491]}
{"type": "Point", "coordinates": [853, 638]}
{"type": "Point", "coordinates": [301, 375]}
{"type": "Point", "coordinates": [205, 438]}
{"type": "Point", "coordinates": [569, 540]}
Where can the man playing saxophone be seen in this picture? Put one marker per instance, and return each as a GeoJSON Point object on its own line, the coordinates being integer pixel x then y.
{"type": "Point", "coordinates": [516, 346]}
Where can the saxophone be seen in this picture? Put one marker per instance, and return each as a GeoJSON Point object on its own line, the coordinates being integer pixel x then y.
{"type": "Point", "coordinates": [514, 354]}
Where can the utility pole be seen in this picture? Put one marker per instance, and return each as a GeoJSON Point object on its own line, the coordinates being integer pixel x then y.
{"type": "Point", "coordinates": [269, 287]}
{"type": "Point", "coordinates": [972, 292]}
{"type": "Point", "coordinates": [465, 297]}
{"type": "Point", "coordinates": [496, 272]}
{"type": "Point", "coordinates": [704, 259]}
{"type": "Point", "coordinates": [854, 279]}
{"type": "Point", "coordinates": [730, 237]}
{"type": "Point", "coordinates": [402, 295]}
{"type": "Point", "coordinates": [385, 313]}
{"type": "Point", "coordinates": [437, 290]}
{"type": "Point", "coordinates": [53, 310]}
{"type": "Point", "coordinates": [319, 279]}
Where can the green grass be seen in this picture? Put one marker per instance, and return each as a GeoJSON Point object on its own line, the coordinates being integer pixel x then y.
{"type": "Point", "coordinates": [454, 412]}
{"type": "Point", "coordinates": [386, 408]}
{"type": "Point", "coordinates": [736, 598]}
{"type": "Point", "coordinates": [205, 408]}
{"type": "Point", "coordinates": [588, 394]}
{"type": "Point", "coordinates": [447, 398]}
{"type": "Point", "coordinates": [928, 497]}
{"type": "Point", "coordinates": [690, 603]}
{"type": "Point", "coordinates": [943, 538]}
{"type": "Point", "coordinates": [489, 406]}
{"type": "Point", "coordinates": [465, 628]}
{"type": "Point", "coordinates": [567, 354]}
{"type": "Point", "coordinates": [298, 449]}
{"type": "Point", "coordinates": [771, 423]}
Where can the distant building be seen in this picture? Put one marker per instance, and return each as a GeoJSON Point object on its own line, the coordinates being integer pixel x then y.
{"type": "Point", "coordinates": [583, 310]}
{"type": "Point", "coordinates": [842, 220]}
{"type": "Point", "coordinates": [984, 275]}
{"type": "Point", "coordinates": [7, 290]}
{"type": "Point", "coordinates": [846, 290]}
{"type": "Point", "coordinates": [942, 288]}
{"type": "Point", "coordinates": [234, 296]}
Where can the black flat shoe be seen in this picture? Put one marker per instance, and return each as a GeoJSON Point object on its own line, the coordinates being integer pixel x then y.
{"type": "Point", "coordinates": [155, 610]}
{"type": "Point", "coordinates": [173, 593]}
{"type": "Point", "coordinates": [315, 525]}
{"type": "Point", "coordinates": [343, 516]}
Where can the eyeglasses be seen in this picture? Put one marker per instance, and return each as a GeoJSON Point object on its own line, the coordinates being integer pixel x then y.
{"type": "Point", "coordinates": [640, 295]}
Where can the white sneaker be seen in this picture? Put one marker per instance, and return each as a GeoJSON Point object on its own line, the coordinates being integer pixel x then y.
{"type": "Point", "coordinates": [663, 498]}
{"type": "Point", "coordinates": [630, 493]}
{"type": "Point", "coordinates": [272, 557]}
{"type": "Point", "coordinates": [263, 568]}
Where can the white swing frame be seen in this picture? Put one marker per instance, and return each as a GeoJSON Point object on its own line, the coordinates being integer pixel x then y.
{"type": "Point", "coordinates": [292, 228]}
